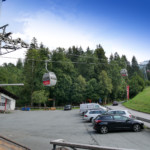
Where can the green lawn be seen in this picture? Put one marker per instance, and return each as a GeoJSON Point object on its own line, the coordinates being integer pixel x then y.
{"type": "Point", "coordinates": [141, 102]}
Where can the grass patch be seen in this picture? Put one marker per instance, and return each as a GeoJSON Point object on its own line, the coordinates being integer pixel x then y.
{"type": "Point", "coordinates": [140, 102]}
{"type": "Point", "coordinates": [35, 109]}
{"type": "Point", "coordinates": [57, 108]}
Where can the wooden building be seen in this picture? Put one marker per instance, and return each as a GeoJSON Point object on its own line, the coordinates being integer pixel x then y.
{"type": "Point", "coordinates": [7, 100]}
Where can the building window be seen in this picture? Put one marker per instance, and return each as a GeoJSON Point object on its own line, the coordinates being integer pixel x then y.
{"type": "Point", "coordinates": [2, 104]}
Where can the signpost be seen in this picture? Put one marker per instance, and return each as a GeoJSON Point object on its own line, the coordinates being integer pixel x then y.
{"type": "Point", "coordinates": [128, 92]}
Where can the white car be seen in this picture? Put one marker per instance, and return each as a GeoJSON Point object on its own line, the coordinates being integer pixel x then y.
{"type": "Point", "coordinates": [90, 114]}
{"type": "Point", "coordinates": [117, 112]}
{"type": "Point", "coordinates": [121, 112]}
{"type": "Point", "coordinates": [90, 106]}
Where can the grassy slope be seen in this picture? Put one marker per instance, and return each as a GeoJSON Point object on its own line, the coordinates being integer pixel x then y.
{"type": "Point", "coordinates": [141, 102]}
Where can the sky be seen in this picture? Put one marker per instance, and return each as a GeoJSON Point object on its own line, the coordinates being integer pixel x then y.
{"type": "Point", "coordinates": [121, 26]}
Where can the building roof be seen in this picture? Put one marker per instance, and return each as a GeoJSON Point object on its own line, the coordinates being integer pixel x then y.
{"type": "Point", "coordinates": [8, 93]}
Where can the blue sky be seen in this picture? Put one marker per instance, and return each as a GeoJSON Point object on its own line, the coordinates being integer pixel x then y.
{"type": "Point", "coordinates": [121, 26]}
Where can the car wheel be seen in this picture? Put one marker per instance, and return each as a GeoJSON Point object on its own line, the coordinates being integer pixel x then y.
{"type": "Point", "coordinates": [136, 128]}
{"type": "Point", "coordinates": [104, 129]}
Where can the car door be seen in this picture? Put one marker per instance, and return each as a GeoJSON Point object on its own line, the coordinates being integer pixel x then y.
{"type": "Point", "coordinates": [108, 121]}
{"type": "Point", "coordinates": [118, 122]}
{"type": "Point", "coordinates": [126, 123]}
{"type": "Point", "coordinates": [121, 122]}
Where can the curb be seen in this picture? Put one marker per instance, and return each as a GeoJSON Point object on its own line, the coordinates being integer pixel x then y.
{"type": "Point", "coordinates": [143, 119]}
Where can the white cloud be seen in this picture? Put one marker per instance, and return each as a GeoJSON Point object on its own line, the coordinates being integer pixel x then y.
{"type": "Point", "coordinates": [55, 31]}
{"type": "Point", "coordinates": [52, 30]}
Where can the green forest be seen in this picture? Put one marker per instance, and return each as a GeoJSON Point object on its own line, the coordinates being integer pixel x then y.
{"type": "Point", "coordinates": [81, 75]}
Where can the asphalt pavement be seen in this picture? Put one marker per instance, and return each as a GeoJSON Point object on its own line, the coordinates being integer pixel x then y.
{"type": "Point", "coordinates": [138, 115]}
{"type": "Point", "coordinates": [35, 130]}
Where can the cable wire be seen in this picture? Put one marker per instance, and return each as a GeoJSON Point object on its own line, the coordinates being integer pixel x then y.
{"type": "Point", "coordinates": [52, 61]}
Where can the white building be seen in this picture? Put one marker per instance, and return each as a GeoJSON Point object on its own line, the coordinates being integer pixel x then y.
{"type": "Point", "coordinates": [7, 100]}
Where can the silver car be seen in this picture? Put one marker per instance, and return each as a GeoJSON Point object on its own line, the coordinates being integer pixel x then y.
{"type": "Point", "coordinates": [121, 112]}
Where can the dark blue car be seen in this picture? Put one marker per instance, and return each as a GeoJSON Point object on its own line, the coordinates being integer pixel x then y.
{"type": "Point", "coordinates": [67, 107]}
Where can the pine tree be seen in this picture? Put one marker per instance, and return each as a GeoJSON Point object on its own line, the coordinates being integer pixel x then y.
{"type": "Point", "coordinates": [34, 43]}
{"type": "Point", "coordinates": [102, 62]}
{"type": "Point", "coordinates": [19, 64]}
{"type": "Point", "coordinates": [135, 68]}
{"type": "Point", "coordinates": [148, 70]}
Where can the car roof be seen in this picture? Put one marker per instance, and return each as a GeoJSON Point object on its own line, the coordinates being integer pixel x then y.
{"type": "Point", "coordinates": [96, 110]}
{"type": "Point", "coordinates": [110, 115]}
{"type": "Point", "coordinates": [117, 110]}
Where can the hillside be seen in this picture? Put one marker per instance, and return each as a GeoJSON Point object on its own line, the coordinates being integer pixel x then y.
{"type": "Point", "coordinates": [141, 102]}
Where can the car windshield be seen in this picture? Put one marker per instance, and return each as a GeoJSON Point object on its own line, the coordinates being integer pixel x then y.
{"type": "Point", "coordinates": [120, 112]}
{"type": "Point", "coordinates": [111, 112]}
{"type": "Point", "coordinates": [96, 112]}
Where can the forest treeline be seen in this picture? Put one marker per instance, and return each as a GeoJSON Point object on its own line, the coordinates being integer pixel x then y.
{"type": "Point", "coordinates": [81, 75]}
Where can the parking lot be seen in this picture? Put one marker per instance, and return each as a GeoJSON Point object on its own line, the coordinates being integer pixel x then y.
{"type": "Point", "coordinates": [35, 130]}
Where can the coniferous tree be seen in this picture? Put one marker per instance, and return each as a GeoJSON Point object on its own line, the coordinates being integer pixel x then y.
{"type": "Point", "coordinates": [116, 57]}
{"type": "Point", "coordinates": [135, 66]}
{"type": "Point", "coordinates": [86, 64]}
{"type": "Point", "coordinates": [81, 75]}
{"type": "Point", "coordinates": [137, 85]}
{"type": "Point", "coordinates": [102, 62]}
{"type": "Point", "coordinates": [115, 76]}
{"type": "Point", "coordinates": [111, 57]}
{"type": "Point", "coordinates": [148, 70]}
{"type": "Point", "coordinates": [105, 86]}
{"type": "Point", "coordinates": [34, 43]}
{"type": "Point", "coordinates": [19, 64]}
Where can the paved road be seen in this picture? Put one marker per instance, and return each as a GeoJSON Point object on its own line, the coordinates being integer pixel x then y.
{"type": "Point", "coordinates": [35, 129]}
{"type": "Point", "coordinates": [140, 115]}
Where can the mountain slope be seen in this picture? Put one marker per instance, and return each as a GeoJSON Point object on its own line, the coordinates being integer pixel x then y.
{"type": "Point", "coordinates": [140, 102]}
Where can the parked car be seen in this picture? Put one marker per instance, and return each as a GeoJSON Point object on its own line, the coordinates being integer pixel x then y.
{"type": "Point", "coordinates": [106, 123]}
{"type": "Point", "coordinates": [121, 112]}
{"type": "Point", "coordinates": [67, 107]}
{"type": "Point", "coordinates": [90, 106]}
{"type": "Point", "coordinates": [90, 114]}
{"type": "Point", "coordinates": [115, 103]}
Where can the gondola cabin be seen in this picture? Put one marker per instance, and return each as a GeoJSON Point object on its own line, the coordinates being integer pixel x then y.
{"type": "Point", "coordinates": [49, 79]}
{"type": "Point", "coordinates": [124, 72]}
{"type": "Point", "coordinates": [148, 70]}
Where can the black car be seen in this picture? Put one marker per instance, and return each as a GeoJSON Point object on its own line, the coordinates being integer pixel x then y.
{"type": "Point", "coordinates": [115, 103]}
{"type": "Point", "coordinates": [106, 123]}
{"type": "Point", "coordinates": [67, 107]}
